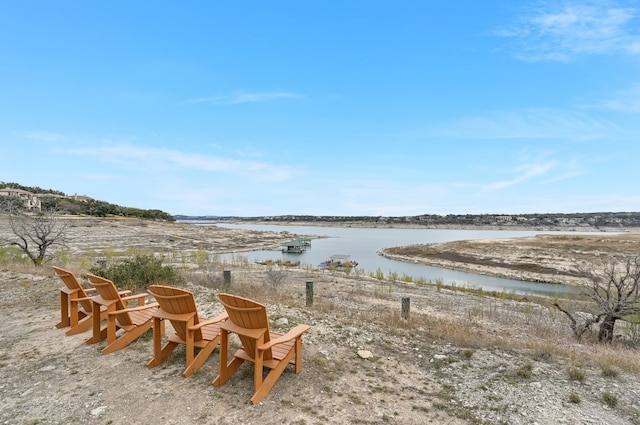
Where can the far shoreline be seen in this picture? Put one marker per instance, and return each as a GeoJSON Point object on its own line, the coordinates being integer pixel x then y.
{"type": "Point", "coordinates": [371, 225]}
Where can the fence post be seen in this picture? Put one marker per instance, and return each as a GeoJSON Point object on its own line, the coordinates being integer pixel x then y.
{"type": "Point", "coordinates": [406, 303]}
{"type": "Point", "coordinates": [227, 277]}
{"type": "Point", "coordinates": [309, 294]}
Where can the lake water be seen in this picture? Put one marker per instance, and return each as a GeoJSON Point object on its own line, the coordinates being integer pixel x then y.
{"type": "Point", "coordinates": [362, 244]}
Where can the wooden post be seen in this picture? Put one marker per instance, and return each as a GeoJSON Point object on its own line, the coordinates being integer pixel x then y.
{"type": "Point", "coordinates": [309, 294]}
{"type": "Point", "coordinates": [406, 303]}
{"type": "Point", "coordinates": [227, 277]}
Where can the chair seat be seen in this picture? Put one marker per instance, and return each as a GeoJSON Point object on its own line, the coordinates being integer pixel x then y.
{"type": "Point", "coordinates": [142, 316]}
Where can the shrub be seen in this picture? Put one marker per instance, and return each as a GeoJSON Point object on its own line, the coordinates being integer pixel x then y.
{"type": "Point", "coordinates": [574, 398]}
{"type": "Point", "coordinates": [525, 371]}
{"type": "Point", "coordinates": [609, 371]}
{"type": "Point", "coordinates": [467, 353]}
{"type": "Point", "coordinates": [610, 399]}
{"type": "Point", "coordinates": [12, 255]}
{"type": "Point", "coordinates": [138, 273]}
{"type": "Point", "coordinates": [576, 374]}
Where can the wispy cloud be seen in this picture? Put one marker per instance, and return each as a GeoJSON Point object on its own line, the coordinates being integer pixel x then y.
{"type": "Point", "coordinates": [528, 124]}
{"type": "Point", "coordinates": [238, 98]}
{"type": "Point", "coordinates": [624, 100]}
{"type": "Point", "coordinates": [562, 31]}
{"type": "Point", "coordinates": [143, 157]}
{"type": "Point", "coordinates": [524, 172]}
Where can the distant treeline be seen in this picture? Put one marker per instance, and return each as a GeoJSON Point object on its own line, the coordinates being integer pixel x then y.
{"type": "Point", "coordinates": [32, 189]}
{"type": "Point", "coordinates": [54, 199]}
{"type": "Point", "coordinates": [101, 209]}
{"type": "Point", "coordinates": [588, 221]}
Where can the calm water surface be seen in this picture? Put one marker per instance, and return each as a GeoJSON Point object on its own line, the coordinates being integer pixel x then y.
{"type": "Point", "coordinates": [362, 244]}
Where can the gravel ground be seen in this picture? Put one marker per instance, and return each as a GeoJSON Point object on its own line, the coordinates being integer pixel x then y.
{"type": "Point", "coordinates": [459, 359]}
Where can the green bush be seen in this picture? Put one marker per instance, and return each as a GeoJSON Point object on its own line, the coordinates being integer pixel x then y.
{"type": "Point", "coordinates": [574, 398]}
{"type": "Point", "coordinates": [576, 374]}
{"type": "Point", "coordinates": [138, 273]}
{"type": "Point", "coordinates": [12, 255]}
{"type": "Point", "coordinates": [610, 399]}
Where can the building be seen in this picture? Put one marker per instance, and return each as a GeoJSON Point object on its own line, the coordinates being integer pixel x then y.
{"type": "Point", "coordinates": [29, 200]}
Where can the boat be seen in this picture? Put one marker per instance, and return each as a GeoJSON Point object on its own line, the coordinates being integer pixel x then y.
{"type": "Point", "coordinates": [281, 263]}
{"type": "Point", "coordinates": [296, 246]}
{"type": "Point", "coordinates": [338, 261]}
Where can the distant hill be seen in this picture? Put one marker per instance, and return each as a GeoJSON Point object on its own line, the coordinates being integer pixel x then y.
{"type": "Point", "coordinates": [85, 205]}
{"type": "Point", "coordinates": [577, 221]}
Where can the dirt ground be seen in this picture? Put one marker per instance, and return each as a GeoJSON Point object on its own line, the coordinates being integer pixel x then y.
{"type": "Point", "coordinates": [458, 359]}
{"type": "Point", "coordinates": [561, 259]}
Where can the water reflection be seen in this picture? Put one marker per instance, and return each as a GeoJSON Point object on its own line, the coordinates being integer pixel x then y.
{"type": "Point", "coordinates": [362, 244]}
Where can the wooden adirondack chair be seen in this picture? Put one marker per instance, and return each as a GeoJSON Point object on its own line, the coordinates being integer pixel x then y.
{"type": "Point", "coordinates": [134, 321]}
{"type": "Point", "coordinates": [76, 307]}
{"type": "Point", "coordinates": [179, 307]}
{"type": "Point", "coordinates": [248, 319]}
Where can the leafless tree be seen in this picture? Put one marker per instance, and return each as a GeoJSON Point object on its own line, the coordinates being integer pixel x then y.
{"type": "Point", "coordinates": [35, 233]}
{"type": "Point", "coordinates": [275, 277]}
{"type": "Point", "coordinates": [615, 290]}
{"type": "Point", "coordinates": [581, 321]}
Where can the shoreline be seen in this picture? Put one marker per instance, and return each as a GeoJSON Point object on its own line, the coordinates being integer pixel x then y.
{"type": "Point", "coordinates": [371, 225]}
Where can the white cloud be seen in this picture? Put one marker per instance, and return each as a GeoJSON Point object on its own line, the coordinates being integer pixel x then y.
{"type": "Point", "coordinates": [144, 157]}
{"type": "Point", "coordinates": [624, 100]}
{"type": "Point", "coordinates": [524, 172]}
{"type": "Point", "coordinates": [238, 98]}
{"type": "Point", "coordinates": [562, 31]}
{"type": "Point", "coordinates": [540, 123]}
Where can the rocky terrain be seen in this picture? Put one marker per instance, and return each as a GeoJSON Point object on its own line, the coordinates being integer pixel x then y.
{"type": "Point", "coordinates": [561, 259]}
{"type": "Point", "coordinates": [458, 358]}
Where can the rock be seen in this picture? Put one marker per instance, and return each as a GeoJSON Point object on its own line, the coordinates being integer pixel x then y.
{"type": "Point", "coordinates": [365, 354]}
{"type": "Point", "coordinates": [98, 411]}
{"type": "Point", "coordinates": [283, 321]}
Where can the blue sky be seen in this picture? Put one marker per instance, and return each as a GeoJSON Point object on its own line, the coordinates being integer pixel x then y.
{"type": "Point", "coordinates": [325, 107]}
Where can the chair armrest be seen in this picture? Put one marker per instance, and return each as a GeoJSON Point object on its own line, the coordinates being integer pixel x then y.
{"type": "Point", "coordinates": [292, 334]}
{"type": "Point", "coordinates": [90, 290]}
{"type": "Point", "coordinates": [76, 300]}
{"type": "Point", "coordinates": [124, 292]}
{"type": "Point", "coordinates": [137, 296]}
{"type": "Point", "coordinates": [220, 318]}
{"type": "Point", "coordinates": [229, 326]}
{"type": "Point", "coordinates": [138, 308]}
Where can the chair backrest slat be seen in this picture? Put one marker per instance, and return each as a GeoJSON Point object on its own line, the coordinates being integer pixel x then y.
{"type": "Point", "coordinates": [108, 292]}
{"type": "Point", "coordinates": [177, 301]}
{"type": "Point", "coordinates": [247, 314]}
{"type": "Point", "coordinates": [71, 282]}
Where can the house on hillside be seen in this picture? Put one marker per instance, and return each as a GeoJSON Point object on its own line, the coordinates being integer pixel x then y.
{"type": "Point", "coordinates": [81, 198]}
{"type": "Point", "coordinates": [30, 201]}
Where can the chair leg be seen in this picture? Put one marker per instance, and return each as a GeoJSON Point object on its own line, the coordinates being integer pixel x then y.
{"type": "Point", "coordinates": [273, 376]}
{"type": "Point", "coordinates": [202, 357]}
{"type": "Point", "coordinates": [98, 334]}
{"type": "Point", "coordinates": [64, 311]}
{"type": "Point", "coordinates": [298, 360]}
{"type": "Point", "coordinates": [227, 372]}
{"type": "Point", "coordinates": [226, 369]}
{"type": "Point", "coordinates": [127, 338]}
{"type": "Point", "coordinates": [160, 353]}
{"type": "Point", "coordinates": [82, 326]}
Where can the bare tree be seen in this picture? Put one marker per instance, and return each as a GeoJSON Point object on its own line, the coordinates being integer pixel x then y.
{"type": "Point", "coordinates": [615, 289]}
{"type": "Point", "coordinates": [35, 234]}
{"type": "Point", "coordinates": [581, 321]}
{"type": "Point", "coordinates": [275, 277]}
